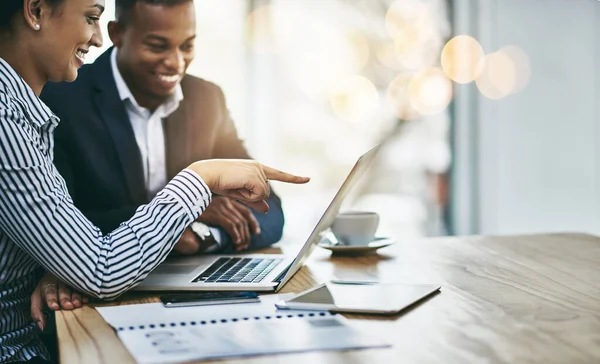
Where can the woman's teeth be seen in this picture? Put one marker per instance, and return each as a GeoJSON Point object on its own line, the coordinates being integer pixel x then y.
{"type": "Point", "coordinates": [80, 55]}
{"type": "Point", "coordinates": [165, 78]}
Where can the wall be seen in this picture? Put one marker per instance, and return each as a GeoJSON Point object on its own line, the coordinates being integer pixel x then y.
{"type": "Point", "coordinates": [529, 162]}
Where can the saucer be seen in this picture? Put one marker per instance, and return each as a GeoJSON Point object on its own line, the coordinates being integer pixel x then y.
{"type": "Point", "coordinates": [378, 243]}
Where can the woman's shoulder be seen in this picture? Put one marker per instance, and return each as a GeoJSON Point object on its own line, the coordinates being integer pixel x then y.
{"type": "Point", "coordinates": [20, 117]}
{"type": "Point", "coordinates": [10, 106]}
{"type": "Point", "coordinates": [20, 135]}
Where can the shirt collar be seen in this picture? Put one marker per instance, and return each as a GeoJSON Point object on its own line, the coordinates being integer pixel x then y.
{"type": "Point", "coordinates": [170, 105]}
{"type": "Point", "coordinates": [30, 104]}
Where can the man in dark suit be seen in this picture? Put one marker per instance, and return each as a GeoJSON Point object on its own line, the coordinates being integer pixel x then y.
{"type": "Point", "coordinates": [133, 119]}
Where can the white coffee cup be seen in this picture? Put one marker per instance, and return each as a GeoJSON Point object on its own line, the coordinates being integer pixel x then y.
{"type": "Point", "coordinates": [355, 227]}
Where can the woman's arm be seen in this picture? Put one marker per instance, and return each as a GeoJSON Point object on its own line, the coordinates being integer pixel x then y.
{"type": "Point", "coordinates": [37, 213]}
{"type": "Point", "coordinates": [39, 216]}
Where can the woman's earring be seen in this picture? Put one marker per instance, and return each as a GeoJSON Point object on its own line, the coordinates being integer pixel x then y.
{"type": "Point", "coordinates": [37, 27]}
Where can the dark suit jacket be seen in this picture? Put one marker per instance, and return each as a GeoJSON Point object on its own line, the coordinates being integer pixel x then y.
{"type": "Point", "coordinates": [97, 154]}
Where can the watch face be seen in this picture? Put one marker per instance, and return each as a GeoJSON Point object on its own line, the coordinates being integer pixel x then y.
{"type": "Point", "coordinates": [200, 229]}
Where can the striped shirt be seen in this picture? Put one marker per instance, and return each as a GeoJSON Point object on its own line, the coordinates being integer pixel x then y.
{"type": "Point", "coordinates": [41, 228]}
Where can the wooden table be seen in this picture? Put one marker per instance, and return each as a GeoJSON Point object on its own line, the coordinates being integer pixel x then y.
{"type": "Point", "coordinates": [520, 299]}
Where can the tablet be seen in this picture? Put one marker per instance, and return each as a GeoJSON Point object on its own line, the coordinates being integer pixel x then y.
{"type": "Point", "coordinates": [380, 298]}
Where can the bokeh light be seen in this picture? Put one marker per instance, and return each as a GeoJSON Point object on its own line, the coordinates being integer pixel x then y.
{"type": "Point", "coordinates": [354, 99]}
{"type": "Point", "coordinates": [415, 48]}
{"type": "Point", "coordinates": [386, 54]}
{"type": "Point", "coordinates": [430, 91]}
{"type": "Point", "coordinates": [360, 51]}
{"type": "Point", "coordinates": [409, 23]}
{"type": "Point", "coordinates": [320, 55]}
{"type": "Point", "coordinates": [260, 33]}
{"type": "Point", "coordinates": [462, 59]}
{"type": "Point", "coordinates": [498, 78]}
{"type": "Point", "coordinates": [522, 66]}
{"type": "Point", "coordinates": [397, 97]}
{"type": "Point", "coordinates": [406, 13]}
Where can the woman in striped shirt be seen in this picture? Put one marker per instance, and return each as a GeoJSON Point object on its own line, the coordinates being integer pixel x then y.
{"type": "Point", "coordinates": [40, 228]}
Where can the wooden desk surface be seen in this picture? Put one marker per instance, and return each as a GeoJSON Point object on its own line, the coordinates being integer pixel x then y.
{"type": "Point", "coordinates": [520, 299]}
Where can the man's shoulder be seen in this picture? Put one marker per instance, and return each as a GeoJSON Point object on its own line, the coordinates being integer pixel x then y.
{"type": "Point", "coordinates": [89, 76]}
{"type": "Point", "coordinates": [199, 86]}
{"type": "Point", "coordinates": [68, 91]}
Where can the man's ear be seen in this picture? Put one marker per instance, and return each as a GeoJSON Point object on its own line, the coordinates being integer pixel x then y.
{"type": "Point", "coordinates": [115, 33]}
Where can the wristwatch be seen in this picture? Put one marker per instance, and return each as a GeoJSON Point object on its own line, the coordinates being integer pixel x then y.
{"type": "Point", "coordinates": [202, 232]}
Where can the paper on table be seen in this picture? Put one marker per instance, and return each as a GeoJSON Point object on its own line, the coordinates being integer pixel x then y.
{"type": "Point", "coordinates": [156, 313]}
{"type": "Point", "coordinates": [244, 338]}
{"type": "Point", "coordinates": [155, 334]}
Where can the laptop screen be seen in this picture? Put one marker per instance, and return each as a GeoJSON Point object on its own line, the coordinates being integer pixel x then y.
{"type": "Point", "coordinates": [332, 210]}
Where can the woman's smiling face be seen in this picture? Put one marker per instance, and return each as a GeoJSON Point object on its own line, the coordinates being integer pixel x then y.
{"type": "Point", "coordinates": [66, 33]}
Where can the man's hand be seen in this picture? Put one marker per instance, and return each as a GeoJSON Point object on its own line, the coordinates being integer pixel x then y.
{"type": "Point", "coordinates": [235, 218]}
{"type": "Point", "coordinates": [57, 295]}
{"type": "Point", "coordinates": [188, 243]}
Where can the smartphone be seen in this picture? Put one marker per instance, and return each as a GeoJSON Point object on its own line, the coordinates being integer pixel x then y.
{"type": "Point", "coordinates": [207, 298]}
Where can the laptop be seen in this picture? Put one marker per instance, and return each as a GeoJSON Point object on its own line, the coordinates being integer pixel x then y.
{"type": "Point", "coordinates": [249, 272]}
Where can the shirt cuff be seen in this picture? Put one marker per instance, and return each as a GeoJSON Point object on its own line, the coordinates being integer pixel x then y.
{"type": "Point", "coordinates": [216, 235]}
{"type": "Point", "coordinates": [189, 189]}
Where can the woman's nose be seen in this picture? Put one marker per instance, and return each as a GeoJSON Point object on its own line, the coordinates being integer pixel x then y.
{"type": "Point", "coordinates": [96, 39]}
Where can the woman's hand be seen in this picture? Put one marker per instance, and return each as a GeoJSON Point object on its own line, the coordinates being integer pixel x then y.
{"type": "Point", "coordinates": [57, 295]}
{"type": "Point", "coordinates": [243, 180]}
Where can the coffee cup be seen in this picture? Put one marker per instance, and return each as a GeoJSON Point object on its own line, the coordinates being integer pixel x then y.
{"type": "Point", "coordinates": [355, 227]}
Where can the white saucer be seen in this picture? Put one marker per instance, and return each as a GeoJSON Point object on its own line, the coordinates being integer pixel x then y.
{"type": "Point", "coordinates": [379, 242]}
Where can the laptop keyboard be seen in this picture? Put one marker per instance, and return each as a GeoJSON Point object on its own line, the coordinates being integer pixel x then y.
{"type": "Point", "coordinates": [237, 270]}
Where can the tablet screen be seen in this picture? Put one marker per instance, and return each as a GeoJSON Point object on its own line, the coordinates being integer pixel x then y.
{"type": "Point", "coordinates": [371, 298]}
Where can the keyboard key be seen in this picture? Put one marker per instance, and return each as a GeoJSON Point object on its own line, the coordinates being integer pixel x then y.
{"type": "Point", "coordinates": [235, 270]}
{"type": "Point", "coordinates": [213, 268]}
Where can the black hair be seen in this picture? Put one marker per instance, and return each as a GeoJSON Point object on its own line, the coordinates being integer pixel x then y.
{"type": "Point", "coordinates": [10, 8]}
{"type": "Point", "coordinates": [123, 7]}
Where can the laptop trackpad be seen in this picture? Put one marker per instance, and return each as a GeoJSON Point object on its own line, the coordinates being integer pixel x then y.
{"type": "Point", "coordinates": [174, 269]}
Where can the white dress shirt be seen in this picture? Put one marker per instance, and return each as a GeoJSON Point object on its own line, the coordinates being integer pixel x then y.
{"type": "Point", "coordinates": [149, 133]}
{"type": "Point", "coordinates": [148, 130]}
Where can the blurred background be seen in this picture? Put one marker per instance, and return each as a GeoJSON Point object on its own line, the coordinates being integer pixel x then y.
{"type": "Point", "coordinates": [488, 106]}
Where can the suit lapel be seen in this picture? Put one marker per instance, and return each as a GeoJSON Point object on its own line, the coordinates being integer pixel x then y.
{"type": "Point", "coordinates": [178, 134]}
{"type": "Point", "coordinates": [114, 116]}
{"type": "Point", "coordinates": [189, 131]}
